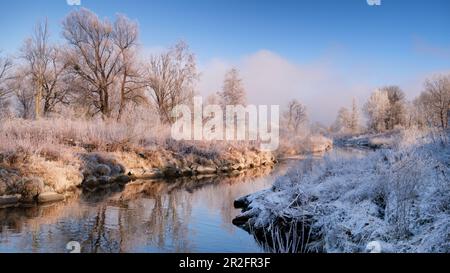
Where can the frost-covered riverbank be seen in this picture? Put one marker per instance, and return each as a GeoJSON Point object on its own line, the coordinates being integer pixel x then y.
{"type": "Point", "coordinates": [40, 161]}
{"type": "Point", "coordinates": [398, 197]}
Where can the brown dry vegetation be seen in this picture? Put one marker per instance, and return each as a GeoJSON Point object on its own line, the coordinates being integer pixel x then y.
{"type": "Point", "coordinates": [58, 155]}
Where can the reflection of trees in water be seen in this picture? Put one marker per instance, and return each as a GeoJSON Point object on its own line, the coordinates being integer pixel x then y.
{"type": "Point", "coordinates": [114, 225]}
{"type": "Point", "coordinates": [170, 216]}
{"type": "Point", "coordinates": [100, 239]}
{"type": "Point", "coordinates": [38, 227]}
{"type": "Point", "coordinates": [151, 215]}
{"type": "Point", "coordinates": [163, 215]}
{"type": "Point", "coordinates": [157, 213]}
{"type": "Point", "coordinates": [218, 193]}
{"type": "Point", "coordinates": [219, 197]}
{"type": "Point", "coordinates": [155, 221]}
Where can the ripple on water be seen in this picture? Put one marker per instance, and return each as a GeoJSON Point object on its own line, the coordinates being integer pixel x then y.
{"type": "Point", "coordinates": [181, 215]}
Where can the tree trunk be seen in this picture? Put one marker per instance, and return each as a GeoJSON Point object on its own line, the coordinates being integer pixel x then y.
{"type": "Point", "coordinates": [122, 96]}
{"type": "Point", "coordinates": [37, 99]}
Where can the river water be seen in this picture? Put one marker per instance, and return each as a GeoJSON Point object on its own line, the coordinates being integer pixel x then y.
{"type": "Point", "coordinates": [183, 215]}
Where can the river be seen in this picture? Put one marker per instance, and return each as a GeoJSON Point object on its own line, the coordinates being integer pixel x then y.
{"type": "Point", "coordinates": [182, 215]}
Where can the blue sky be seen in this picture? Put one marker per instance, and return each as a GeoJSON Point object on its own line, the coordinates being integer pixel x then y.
{"type": "Point", "coordinates": [395, 42]}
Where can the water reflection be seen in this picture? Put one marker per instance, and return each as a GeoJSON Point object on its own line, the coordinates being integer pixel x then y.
{"type": "Point", "coordinates": [183, 215]}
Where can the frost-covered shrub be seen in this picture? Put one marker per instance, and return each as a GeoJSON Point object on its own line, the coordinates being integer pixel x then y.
{"type": "Point", "coordinates": [404, 178]}
{"type": "Point", "coordinates": [398, 197]}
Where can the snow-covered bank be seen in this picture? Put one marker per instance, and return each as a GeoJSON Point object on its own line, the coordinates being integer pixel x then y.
{"type": "Point", "coordinates": [398, 197]}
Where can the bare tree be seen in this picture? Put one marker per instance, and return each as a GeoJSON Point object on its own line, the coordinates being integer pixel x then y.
{"type": "Point", "coordinates": [386, 109]}
{"type": "Point", "coordinates": [376, 110]}
{"type": "Point", "coordinates": [343, 121]}
{"type": "Point", "coordinates": [23, 89]}
{"type": "Point", "coordinates": [397, 107]}
{"type": "Point", "coordinates": [295, 115]}
{"type": "Point", "coordinates": [347, 121]}
{"type": "Point", "coordinates": [93, 56]}
{"type": "Point", "coordinates": [78, 95]}
{"type": "Point", "coordinates": [55, 82]}
{"type": "Point", "coordinates": [233, 92]}
{"type": "Point", "coordinates": [171, 78]}
{"type": "Point", "coordinates": [435, 101]}
{"type": "Point", "coordinates": [5, 68]}
{"type": "Point", "coordinates": [36, 52]}
{"type": "Point", "coordinates": [46, 68]}
{"type": "Point", "coordinates": [131, 83]}
{"type": "Point", "coordinates": [354, 125]}
{"type": "Point", "coordinates": [416, 114]}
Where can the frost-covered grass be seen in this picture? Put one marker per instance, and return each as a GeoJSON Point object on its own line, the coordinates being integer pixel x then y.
{"type": "Point", "coordinates": [399, 197]}
{"type": "Point", "coordinates": [32, 135]}
{"type": "Point", "coordinates": [58, 138]}
{"type": "Point", "coordinates": [62, 152]}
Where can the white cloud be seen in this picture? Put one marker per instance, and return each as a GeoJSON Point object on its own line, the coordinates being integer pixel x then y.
{"type": "Point", "coordinates": [271, 79]}
{"type": "Point", "coordinates": [212, 74]}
